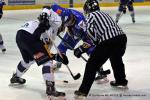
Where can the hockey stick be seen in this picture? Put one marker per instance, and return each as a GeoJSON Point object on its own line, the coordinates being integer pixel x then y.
{"type": "Point", "coordinates": [70, 46]}
{"type": "Point", "coordinates": [103, 72]}
{"type": "Point", "coordinates": [75, 77]}
{"type": "Point", "coordinates": [120, 15]}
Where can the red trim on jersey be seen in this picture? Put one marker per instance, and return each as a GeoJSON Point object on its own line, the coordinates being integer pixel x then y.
{"type": "Point", "coordinates": [59, 11]}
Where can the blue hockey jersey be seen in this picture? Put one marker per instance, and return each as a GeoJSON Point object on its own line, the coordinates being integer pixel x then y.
{"type": "Point", "coordinates": [78, 31]}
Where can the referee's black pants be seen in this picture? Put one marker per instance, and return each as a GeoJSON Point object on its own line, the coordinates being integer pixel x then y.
{"type": "Point", "coordinates": [112, 49]}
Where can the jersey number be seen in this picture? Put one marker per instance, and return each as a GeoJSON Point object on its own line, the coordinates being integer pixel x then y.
{"type": "Point", "coordinates": [26, 25]}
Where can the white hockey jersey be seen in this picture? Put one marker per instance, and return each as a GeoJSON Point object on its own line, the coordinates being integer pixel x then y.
{"type": "Point", "coordinates": [30, 26]}
{"type": "Point", "coordinates": [54, 20]}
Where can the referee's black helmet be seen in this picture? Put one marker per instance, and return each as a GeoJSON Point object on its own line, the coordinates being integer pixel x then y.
{"type": "Point", "coordinates": [90, 6]}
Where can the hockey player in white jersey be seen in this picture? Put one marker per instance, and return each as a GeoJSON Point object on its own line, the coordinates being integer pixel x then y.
{"type": "Point", "coordinates": [33, 39]}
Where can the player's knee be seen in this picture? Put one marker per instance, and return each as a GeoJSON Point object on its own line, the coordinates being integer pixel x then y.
{"type": "Point", "coordinates": [49, 63]}
{"type": "Point", "coordinates": [131, 10]}
{"type": "Point", "coordinates": [46, 69]}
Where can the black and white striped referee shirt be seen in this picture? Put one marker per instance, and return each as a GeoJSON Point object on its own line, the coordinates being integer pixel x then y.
{"type": "Point", "coordinates": [101, 27]}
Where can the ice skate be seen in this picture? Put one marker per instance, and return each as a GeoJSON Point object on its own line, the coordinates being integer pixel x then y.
{"type": "Point", "coordinates": [119, 85]}
{"type": "Point", "coordinates": [17, 80]}
{"type": "Point", "coordinates": [101, 79]}
{"type": "Point", "coordinates": [133, 20]}
{"type": "Point", "coordinates": [79, 95]}
{"type": "Point", "coordinates": [102, 76]}
{"type": "Point", "coordinates": [3, 48]}
{"type": "Point", "coordinates": [52, 93]}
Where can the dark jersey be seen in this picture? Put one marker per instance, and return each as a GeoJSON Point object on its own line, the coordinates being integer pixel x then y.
{"type": "Point", "coordinates": [124, 2]}
{"type": "Point", "coordinates": [2, 3]}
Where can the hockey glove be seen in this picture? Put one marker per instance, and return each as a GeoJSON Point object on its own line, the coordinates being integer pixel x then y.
{"type": "Point", "coordinates": [45, 25]}
{"type": "Point", "coordinates": [81, 49]}
{"type": "Point", "coordinates": [57, 57]}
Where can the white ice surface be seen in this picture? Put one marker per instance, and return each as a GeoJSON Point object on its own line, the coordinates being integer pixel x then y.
{"type": "Point", "coordinates": [136, 59]}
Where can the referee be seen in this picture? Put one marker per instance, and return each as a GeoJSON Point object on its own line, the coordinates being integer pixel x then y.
{"type": "Point", "coordinates": [110, 43]}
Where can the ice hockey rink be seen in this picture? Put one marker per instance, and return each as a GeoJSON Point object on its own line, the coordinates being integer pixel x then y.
{"type": "Point", "coordinates": [136, 59]}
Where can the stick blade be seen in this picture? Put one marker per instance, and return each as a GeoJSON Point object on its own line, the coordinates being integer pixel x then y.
{"type": "Point", "coordinates": [77, 76]}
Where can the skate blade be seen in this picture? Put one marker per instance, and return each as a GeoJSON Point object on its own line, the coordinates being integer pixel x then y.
{"type": "Point", "coordinates": [16, 85]}
{"type": "Point", "coordinates": [56, 98]}
{"type": "Point", "coordinates": [102, 81]}
{"type": "Point", "coordinates": [79, 97]}
{"type": "Point", "coordinates": [121, 87]}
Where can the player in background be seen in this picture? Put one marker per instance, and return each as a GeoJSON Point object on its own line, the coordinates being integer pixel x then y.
{"type": "Point", "coordinates": [2, 47]}
{"type": "Point", "coordinates": [34, 40]}
{"type": "Point", "coordinates": [123, 5]}
{"type": "Point", "coordinates": [75, 21]}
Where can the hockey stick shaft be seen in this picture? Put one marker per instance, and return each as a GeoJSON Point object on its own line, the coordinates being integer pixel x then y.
{"type": "Point", "coordinates": [75, 77]}
{"type": "Point", "coordinates": [120, 16]}
{"type": "Point", "coordinates": [104, 72]}
{"type": "Point", "coordinates": [70, 47]}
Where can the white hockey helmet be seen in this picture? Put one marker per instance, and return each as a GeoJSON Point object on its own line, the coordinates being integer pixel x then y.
{"type": "Point", "coordinates": [54, 18]}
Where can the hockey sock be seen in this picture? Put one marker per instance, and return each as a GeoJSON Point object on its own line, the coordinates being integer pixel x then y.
{"type": "Point", "coordinates": [22, 68]}
{"type": "Point", "coordinates": [47, 71]}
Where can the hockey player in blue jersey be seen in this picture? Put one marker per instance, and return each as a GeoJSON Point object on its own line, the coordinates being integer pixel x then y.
{"type": "Point", "coordinates": [122, 9]}
{"type": "Point", "coordinates": [74, 21]}
{"type": "Point", "coordinates": [2, 47]}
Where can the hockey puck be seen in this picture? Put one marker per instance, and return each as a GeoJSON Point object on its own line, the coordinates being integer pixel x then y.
{"type": "Point", "coordinates": [65, 81]}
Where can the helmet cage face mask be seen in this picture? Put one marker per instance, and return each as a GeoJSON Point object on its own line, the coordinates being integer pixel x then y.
{"type": "Point", "coordinates": [43, 17]}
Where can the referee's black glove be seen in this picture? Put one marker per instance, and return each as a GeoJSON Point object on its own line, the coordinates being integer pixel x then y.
{"type": "Point", "coordinates": [81, 49]}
